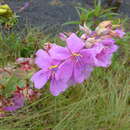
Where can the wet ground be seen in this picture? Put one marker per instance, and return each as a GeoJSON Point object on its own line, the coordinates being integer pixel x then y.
{"type": "Point", "coordinates": [50, 14]}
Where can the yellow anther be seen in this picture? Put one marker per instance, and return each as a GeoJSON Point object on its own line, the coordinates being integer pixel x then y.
{"type": "Point", "coordinates": [76, 54]}
{"type": "Point", "coordinates": [53, 66]}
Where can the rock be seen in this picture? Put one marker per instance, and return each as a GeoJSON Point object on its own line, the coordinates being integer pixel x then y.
{"type": "Point", "coordinates": [47, 14]}
{"type": "Point", "coordinates": [50, 14]}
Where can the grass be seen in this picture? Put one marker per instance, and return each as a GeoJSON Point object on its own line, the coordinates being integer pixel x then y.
{"type": "Point", "coordinates": [100, 103]}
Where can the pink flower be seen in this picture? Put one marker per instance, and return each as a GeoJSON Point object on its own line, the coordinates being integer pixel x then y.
{"type": "Point", "coordinates": [48, 71]}
{"type": "Point", "coordinates": [101, 53]}
{"type": "Point", "coordinates": [73, 69]}
{"type": "Point", "coordinates": [17, 102]}
{"type": "Point", "coordinates": [120, 33]}
{"type": "Point", "coordinates": [65, 66]}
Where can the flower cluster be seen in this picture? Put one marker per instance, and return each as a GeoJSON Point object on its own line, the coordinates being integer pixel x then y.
{"type": "Point", "coordinates": [17, 101]}
{"type": "Point", "coordinates": [72, 64]}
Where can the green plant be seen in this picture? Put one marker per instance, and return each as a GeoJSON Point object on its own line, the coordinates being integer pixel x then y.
{"type": "Point", "coordinates": [7, 17]}
{"type": "Point", "coordinates": [93, 16]}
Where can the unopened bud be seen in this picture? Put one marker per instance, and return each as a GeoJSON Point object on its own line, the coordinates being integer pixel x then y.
{"type": "Point", "coordinates": [90, 42]}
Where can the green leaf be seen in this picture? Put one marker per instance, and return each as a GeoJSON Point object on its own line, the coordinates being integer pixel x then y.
{"type": "Point", "coordinates": [71, 22]}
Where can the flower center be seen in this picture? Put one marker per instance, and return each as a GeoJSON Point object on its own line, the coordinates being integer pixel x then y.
{"type": "Point", "coordinates": [53, 67]}
{"type": "Point", "coordinates": [76, 54]}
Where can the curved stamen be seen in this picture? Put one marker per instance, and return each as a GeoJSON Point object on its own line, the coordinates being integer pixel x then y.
{"type": "Point", "coordinates": [53, 67]}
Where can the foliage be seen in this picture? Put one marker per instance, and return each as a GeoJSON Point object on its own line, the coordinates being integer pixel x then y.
{"type": "Point", "coordinates": [102, 102]}
{"type": "Point", "coordinates": [14, 45]}
{"type": "Point", "coordinates": [93, 16]}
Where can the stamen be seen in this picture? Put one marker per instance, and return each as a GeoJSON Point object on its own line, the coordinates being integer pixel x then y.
{"type": "Point", "coordinates": [76, 54]}
{"type": "Point", "coordinates": [53, 66]}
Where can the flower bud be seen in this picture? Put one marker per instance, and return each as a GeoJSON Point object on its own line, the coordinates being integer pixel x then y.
{"type": "Point", "coordinates": [90, 42]}
{"type": "Point", "coordinates": [83, 36]}
{"type": "Point", "coordinates": [62, 36]}
{"type": "Point", "coordinates": [5, 10]}
{"type": "Point", "coordinates": [85, 29]}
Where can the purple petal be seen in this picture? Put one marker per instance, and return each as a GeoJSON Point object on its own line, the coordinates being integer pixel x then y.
{"type": "Point", "coordinates": [74, 43]}
{"type": "Point", "coordinates": [43, 60]}
{"type": "Point", "coordinates": [40, 78]}
{"type": "Point", "coordinates": [59, 52]}
{"type": "Point", "coordinates": [55, 62]}
{"type": "Point", "coordinates": [88, 70]}
{"type": "Point", "coordinates": [18, 102]}
{"type": "Point", "coordinates": [82, 72]}
{"type": "Point", "coordinates": [11, 108]}
{"type": "Point", "coordinates": [108, 42]}
{"type": "Point", "coordinates": [99, 55]}
{"type": "Point", "coordinates": [57, 87]}
{"type": "Point", "coordinates": [103, 58]}
{"type": "Point", "coordinates": [71, 81]}
{"type": "Point", "coordinates": [62, 36]}
{"type": "Point", "coordinates": [114, 48]}
{"type": "Point", "coordinates": [88, 55]}
{"type": "Point", "coordinates": [65, 70]}
{"type": "Point", "coordinates": [120, 33]}
{"type": "Point", "coordinates": [109, 45]}
{"type": "Point", "coordinates": [78, 73]}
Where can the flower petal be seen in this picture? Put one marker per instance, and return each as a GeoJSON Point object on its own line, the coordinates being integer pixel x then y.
{"type": "Point", "coordinates": [40, 78]}
{"type": "Point", "coordinates": [103, 59]}
{"type": "Point", "coordinates": [99, 55]}
{"type": "Point", "coordinates": [88, 55]}
{"type": "Point", "coordinates": [62, 36]}
{"type": "Point", "coordinates": [120, 33]}
{"type": "Point", "coordinates": [57, 87]}
{"type": "Point", "coordinates": [59, 52]}
{"type": "Point", "coordinates": [11, 108]}
{"type": "Point", "coordinates": [43, 60]}
{"type": "Point", "coordinates": [81, 72]}
{"type": "Point", "coordinates": [108, 42]}
{"type": "Point", "coordinates": [18, 102]}
{"type": "Point", "coordinates": [74, 43]}
{"type": "Point", "coordinates": [71, 81]}
{"type": "Point", "coordinates": [65, 70]}
{"type": "Point", "coordinates": [88, 70]}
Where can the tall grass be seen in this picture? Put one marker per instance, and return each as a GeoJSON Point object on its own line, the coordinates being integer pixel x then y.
{"type": "Point", "coordinates": [100, 103]}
